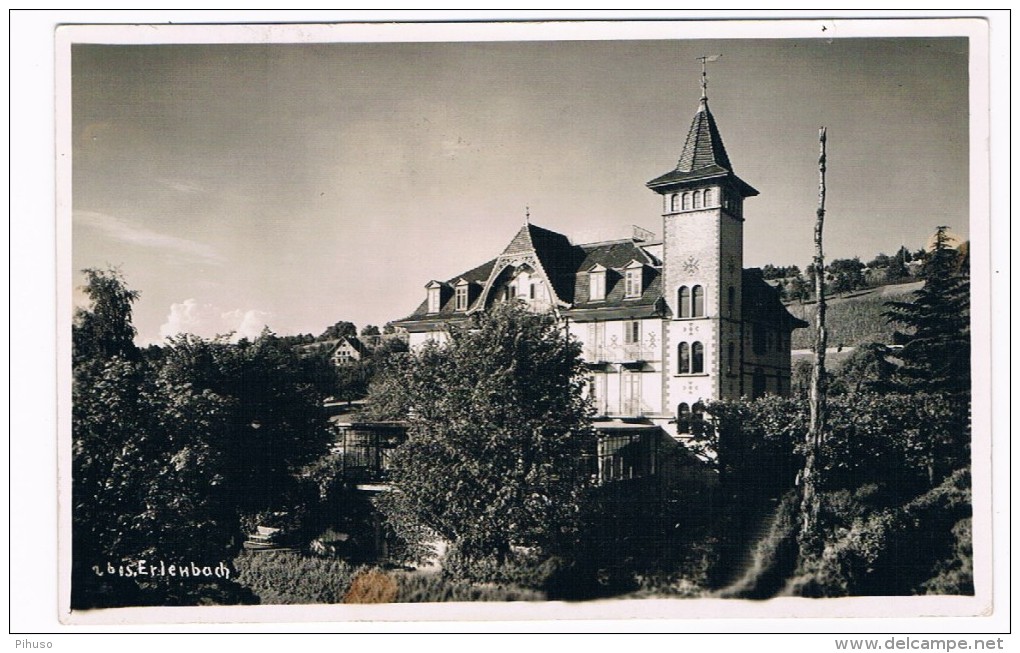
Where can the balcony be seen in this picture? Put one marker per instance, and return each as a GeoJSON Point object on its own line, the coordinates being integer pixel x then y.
{"type": "Point", "coordinates": [617, 353]}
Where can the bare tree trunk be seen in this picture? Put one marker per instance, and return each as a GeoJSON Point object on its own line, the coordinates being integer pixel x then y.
{"type": "Point", "coordinates": [816, 430]}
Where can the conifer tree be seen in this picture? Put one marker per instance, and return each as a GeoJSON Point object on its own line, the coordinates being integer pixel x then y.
{"type": "Point", "coordinates": [936, 337]}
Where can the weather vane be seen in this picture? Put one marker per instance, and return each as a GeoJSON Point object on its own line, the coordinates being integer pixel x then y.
{"type": "Point", "coordinates": [704, 73]}
{"type": "Point", "coordinates": [527, 215]}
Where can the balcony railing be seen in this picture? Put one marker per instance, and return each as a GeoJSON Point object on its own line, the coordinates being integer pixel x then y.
{"type": "Point", "coordinates": [615, 353]}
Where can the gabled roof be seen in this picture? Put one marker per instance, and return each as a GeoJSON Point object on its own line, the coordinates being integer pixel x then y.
{"type": "Point", "coordinates": [703, 157]}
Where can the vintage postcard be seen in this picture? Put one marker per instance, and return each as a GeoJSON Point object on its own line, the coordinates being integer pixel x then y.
{"type": "Point", "coordinates": [503, 321]}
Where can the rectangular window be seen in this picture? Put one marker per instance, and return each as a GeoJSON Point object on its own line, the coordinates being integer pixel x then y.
{"type": "Point", "coordinates": [631, 393]}
{"type": "Point", "coordinates": [433, 300]}
{"type": "Point", "coordinates": [632, 280]}
{"type": "Point", "coordinates": [596, 286]}
{"type": "Point", "coordinates": [632, 332]}
{"type": "Point", "coordinates": [462, 298]}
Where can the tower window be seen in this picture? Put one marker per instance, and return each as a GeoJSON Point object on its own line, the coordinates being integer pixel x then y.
{"type": "Point", "coordinates": [462, 298]}
{"type": "Point", "coordinates": [708, 197]}
{"type": "Point", "coordinates": [531, 291]}
{"type": "Point", "coordinates": [687, 201]}
{"type": "Point", "coordinates": [674, 202]}
{"type": "Point", "coordinates": [683, 358]}
{"type": "Point", "coordinates": [697, 358]}
{"type": "Point", "coordinates": [698, 303]}
{"type": "Point", "coordinates": [683, 300]}
{"type": "Point", "coordinates": [697, 199]}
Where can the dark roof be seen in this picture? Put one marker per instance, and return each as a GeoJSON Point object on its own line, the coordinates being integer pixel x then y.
{"type": "Point", "coordinates": [703, 157]}
{"type": "Point", "coordinates": [566, 266]}
{"type": "Point", "coordinates": [558, 257]}
{"type": "Point", "coordinates": [760, 302]}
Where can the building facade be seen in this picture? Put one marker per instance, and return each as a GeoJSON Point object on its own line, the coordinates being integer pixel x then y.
{"type": "Point", "coordinates": [665, 323]}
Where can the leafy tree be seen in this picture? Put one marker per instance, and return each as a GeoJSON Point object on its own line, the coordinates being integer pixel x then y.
{"type": "Point", "coordinates": [868, 369]}
{"type": "Point", "coordinates": [936, 338]}
{"type": "Point", "coordinates": [339, 330]}
{"type": "Point", "coordinates": [171, 450]}
{"type": "Point", "coordinates": [848, 274]}
{"type": "Point", "coordinates": [499, 430]}
{"type": "Point", "coordinates": [370, 330]}
{"type": "Point", "coordinates": [104, 330]}
{"type": "Point", "coordinates": [898, 266]}
{"type": "Point", "coordinates": [799, 289]}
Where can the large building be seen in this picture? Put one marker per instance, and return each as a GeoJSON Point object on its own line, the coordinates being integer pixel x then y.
{"type": "Point", "coordinates": [666, 323]}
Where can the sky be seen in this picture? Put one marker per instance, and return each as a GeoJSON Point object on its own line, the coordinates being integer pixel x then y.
{"type": "Point", "coordinates": [296, 185]}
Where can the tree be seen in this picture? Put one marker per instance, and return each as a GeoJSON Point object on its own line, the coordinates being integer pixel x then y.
{"type": "Point", "coordinates": [898, 266]}
{"type": "Point", "coordinates": [499, 432]}
{"type": "Point", "coordinates": [370, 330]}
{"type": "Point", "coordinates": [104, 329]}
{"type": "Point", "coordinates": [339, 330]}
{"type": "Point", "coordinates": [848, 274]}
{"type": "Point", "coordinates": [799, 289]}
{"type": "Point", "coordinates": [172, 450]}
{"type": "Point", "coordinates": [936, 338]}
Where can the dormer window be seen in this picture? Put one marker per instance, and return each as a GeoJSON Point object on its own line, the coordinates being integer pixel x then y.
{"type": "Point", "coordinates": [462, 298]}
{"type": "Point", "coordinates": [632, 280]}
{"type": "Point", "coordinates": [597, 284]}
{"type": "Point", "coordinates": [434, 296]}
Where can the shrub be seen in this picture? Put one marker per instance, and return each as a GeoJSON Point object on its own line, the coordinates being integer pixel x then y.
{"type": "Point", "coordinates": [285, 577]}
{"type": "Point", "coordinates": [423, 587]}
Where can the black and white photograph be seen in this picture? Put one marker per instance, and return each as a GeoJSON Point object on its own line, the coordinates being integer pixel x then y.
{"type": "Point", "coordinates": [523, 321]}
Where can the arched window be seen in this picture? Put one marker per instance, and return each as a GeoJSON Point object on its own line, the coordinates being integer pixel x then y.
{"type": "Point", "coordinates": [683, 418]}
{"type": "Point", "coordinates": [687, 201]}
{"type": "Point", "coordinates": [697, 199]}
{"type": "Point", "coordinates": [683, 301]}
{"type": "Point", "coordinates": [697, 358]}
{"type": "Point", "coordinates": [731, 298]}
{"type": "Point", "coordinates": [674, 202]}
{"type": "Point", "coordinates": [683, 357]}
{"type": "Point", "coordinates": [698, 424]}
{"type": "Point", "coordinates": [708, 197]}
{"type": "Point", "coordinates": [698, 305]}
{"type": "Point", "coordinates": [729, 358]}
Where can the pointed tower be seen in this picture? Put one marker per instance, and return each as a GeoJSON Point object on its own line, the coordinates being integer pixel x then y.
{"type": "Point", "coordinates": [702, 216]}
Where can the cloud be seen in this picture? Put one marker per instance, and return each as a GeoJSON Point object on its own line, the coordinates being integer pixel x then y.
{"type": "Point", "coordinates": [124, 231]}
{"type": "Point", "coordinates": [207, 321]}
{"type": "Point", "coordinates": [186, 187]}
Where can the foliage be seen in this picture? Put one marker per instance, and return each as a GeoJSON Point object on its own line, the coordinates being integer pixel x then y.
{"type": "Point", "coordinates": [288, 577]}
{"type": "Point", "coordinates": [341, 329]}
{"type": "Point", "coordinates": [847, 274]}
{"type": "Point", "coordinates": [499, 429]}
{"type": "Point", "coordinates": [869, 368]}
{"type": "Point", "coordinates": [370, 330]}
{"type": "Point", "coordinates": [171, 450]}
{"type": "Point", "coordinates": [936, 339]}
{"type": "Point", "coordinates": [423, 587]}
{"type": "Point", "coordinates": [770, 271]}
{"type": "Point", "coordinates": [921, 546]}
{"type": "Point", "coordinates": [104, 330]}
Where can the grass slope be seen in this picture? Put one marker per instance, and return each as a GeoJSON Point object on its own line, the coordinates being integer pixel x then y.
{"type": "Point", "coordinates": [852, 320]}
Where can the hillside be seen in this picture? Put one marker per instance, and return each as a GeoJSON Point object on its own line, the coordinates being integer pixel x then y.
{"type": "Point", "coordinates": [852, 320]}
